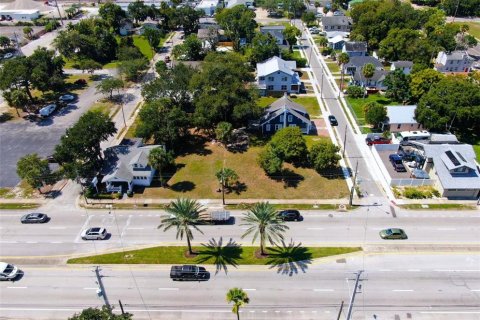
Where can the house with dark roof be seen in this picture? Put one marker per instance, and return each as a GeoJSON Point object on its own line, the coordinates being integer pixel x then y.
{"type": "Point", "coordinates": [126, 166]}
{"type": "Point", "coordinates": [355, 48]}
{"type": "Point", "coordinates": [336, 43]}
{"type": "Point", "coordinates": [453, 62]}
{"type": "Point", "coordinates": [405, 66]}
{"type": "Point", "coordinates": [373, 83]}
{"type": "Point", "coordinates": [278, 75]}
{"type": "Point", "coordinates": [276, 32]}
{"type": "Point", "coordinates": [284, 113]}
{"type": "Point", "coordinates": [336, 23]}
{"type": "Point", "coordinates": [356, 63]}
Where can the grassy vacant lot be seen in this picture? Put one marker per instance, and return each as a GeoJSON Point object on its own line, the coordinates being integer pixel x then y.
{"type": "Point", "coordinates": [298, 206]}
{"type": "Point", "coordinates": [142, 44]}
{"type": "Point", "coordinates": [440, 206]}
{"type": "Point", "coordinates": [195, 178]}
{"type": "Point", "coordinates": [474, 28]}
{"type": "Point", "coordinates": [18, 206]}
{"type": "Point", "coordinates": [235, 255]}
{"type": "Point", "coordinates": [358, 103]}
{"type": "Point", "coordinates": [309, 103]}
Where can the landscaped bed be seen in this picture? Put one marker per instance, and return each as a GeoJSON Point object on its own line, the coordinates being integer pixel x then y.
{"type": "Point", "coordinates": [238, 254]}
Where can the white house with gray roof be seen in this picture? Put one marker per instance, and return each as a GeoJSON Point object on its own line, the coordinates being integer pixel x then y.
{"type": "Point", "coordinates": [276, 32]}
{"type": "Point", "coordinates": [401, 118]}
{"type": "Point", "coordinates": [454, 167]}
{"type": "Point", "coordinates": [337, 23]}
{"type": "Point", "coordinates": [278, 75]}
{"type": "Point", "coordinates": [126, 166]}
{"type": "Point", "coordinates": [453, 62]}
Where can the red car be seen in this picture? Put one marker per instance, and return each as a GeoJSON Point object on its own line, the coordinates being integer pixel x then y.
{"type": "Point", "coordinates": [377, 140]}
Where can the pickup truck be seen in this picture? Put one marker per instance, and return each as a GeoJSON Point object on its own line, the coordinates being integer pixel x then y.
{"type": "Point", "coordinates": [188, 272]}
{"type": "Point", "coordinates": [217, 216]}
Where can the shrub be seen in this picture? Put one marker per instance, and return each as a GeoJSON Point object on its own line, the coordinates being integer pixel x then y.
{"type": "Point", "coordinates": [326, 51]}
{"type": "Point", "coordinates": [269, 161]}
{"type": "Point", "coordinates": [323, 156]}
{"type": "Point", "coordinates": [355, 91]}
{"type": "Point", "coordinates": [289, 144]}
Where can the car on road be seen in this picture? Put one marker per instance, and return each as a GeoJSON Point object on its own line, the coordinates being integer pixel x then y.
{"type": "Point", "coordinates": [188, 272]}
{"type": "Point", "coordinates": [48, 110]}
{"type": "Point", "coordinates": [34, 218]}
{"type": "Point", "coordinates": [397, 163]}
{"type": "Point", "coordinates": [8, 271]}
{"type": "Point", "coordinates": [8, 55]}
{"type": "Point", "coordinates": [289, 215]}
{"type": "Point", "coordinates": [393, 233]}
{"type": "Point", "coordinates": [333, 120]}
{"type": "Point", "coordinates": [95, 233]}
{"type": "Point", "coordinates": [167, 59]}
{"type": "Point", "coordinates": [376, 139]}
{"type": "Point", "coordinates": [66, 98]}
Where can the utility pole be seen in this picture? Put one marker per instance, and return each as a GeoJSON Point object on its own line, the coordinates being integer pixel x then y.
{"type": "Point", "coordinates": [58, 9]}
{"type": "Point", "coordinates": [352, 299]}
{"type": "Point", "coordinates": [321, 85]}
{"type": "Point", "coordinates": [340, 311]}
{"type": "Point", "coordinates": [101, 289]}
{"type": "Point", "coordinates": [344, 142]}
{"type": "Point", "coordinates": [354, 184]}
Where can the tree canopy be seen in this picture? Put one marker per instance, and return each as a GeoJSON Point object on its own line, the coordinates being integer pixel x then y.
{"type": "Point", "coordinates": [324, 155]}
{"type": "Point", "coordinates": [374, 113]}
{"type": "Point", "coordinates": [105, 313]}
{"type": "Point", "coordinates": [289, 144]}
{"type": "Point", "coordinates": [34, 170]}
{"type": "Point", "coordinates": [263, 47]}
{"type": "Point", "coordinates": [238, 23]}
{"type": "Point", "coordinates": [112, 14]}
{"type": "Point", "coordinates": [398, 86]}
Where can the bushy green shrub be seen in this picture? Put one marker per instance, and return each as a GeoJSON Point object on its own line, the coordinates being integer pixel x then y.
{"type": "Point", "coordinates": [355, 91]}
{"type": "Point", "coordinates": [414, 193]}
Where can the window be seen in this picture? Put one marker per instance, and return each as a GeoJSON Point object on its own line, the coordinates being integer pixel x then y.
{"type": "Point", "coordinates": [278, 127]}
{"type": "Point", "coordinates": [451, 61]}
{"type": "Point", "coordinates": [268, 127]}
{"type": "Point", "coordinates": [399, 125]}
{"type": "Point", "coordinates": [284, 78]}
{"type": "Point", "coordinates": [270, 87]}
{"type": "Point", "coordinates": [281, 117]}
{"type": "Point", "coordinates": [271, 78]}
{"type": "Point", "coordinates": [338, 27]}
{"type": "Point", "coordinates": [284, 88]}
{"type": "Point", "coordinates": [290, 118]}
{"type": "Point", "coordinates": [261, 78]}
{"type": "Point", "coordinates": [292, 125]}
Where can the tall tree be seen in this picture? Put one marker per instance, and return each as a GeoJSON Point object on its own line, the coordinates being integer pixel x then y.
{"type": "Point", "coordinates": [223, 132]}
{"type": "Point", "coordinates": [112, 14]}
{"type": "Point", "coordinates": [16, 98]}
{"type": "Point", "coordinates": [368, 70]}
{"type": "Point", "coordinates": [398, 86]}
{"type": "Point", "coordinates": [79, 150]}
{"type": "Point", "coordinates": [324, 155]}
{"type": "Point", "coordinates": [262, 220]}
{"type": "Point", "coordinates": [4, 42]}
{"type": "Point", "coordinates": [270, 161]}
{"type": "Point", "coordinates": [239, 299]}
{"type": "Point", "coordinates": [184, 215]}
{"type": "Point", "coordinates": [189, 19]}
{"type": "Point", "coordinates": [34, 170]}
{"type": "Point", "coordinates": [422, 81]}
{"type": "Point", "coordinates": [343, 58]}
{"type": "Point", "coordinates": [238, 23]}
{"type": "Point", "coordinates": [289, 144]}
{"type": "Point", "coordinates": [375, 113]}
{"type": "Point", "coordinates": [291, 33]}
{"type": "Point", "coordinates": [138, 11]}
{"type": "Point", "coordinates": [190, 49]}
{"type": "Point", "coordinates": [108, 85]}
{"type": "Point", "coordinates": [160, 159]}
{"type": "Point", "coordinates": [263, 47]}
{"type": "Point", "coordinates": [225, 176]}
{"type": "Point", "coordinates": [28, 31]}
{"type": "Point", "coordinates": [153, 37]}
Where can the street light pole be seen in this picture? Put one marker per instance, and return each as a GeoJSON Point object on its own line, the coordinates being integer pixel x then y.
{"type": "Point", "coordinates": [344, 142]}
{"type": "Point", "coordinates": [352, 300]}
{"type": "Point", "coordinates": [353, 185]}
{"type": "Point", "coordinates": [321, 86]}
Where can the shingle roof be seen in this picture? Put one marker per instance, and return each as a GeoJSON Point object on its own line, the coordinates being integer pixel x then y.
{"type": "Point", "coordinates": [275, 64]}
{"type": "Point", "coordinates": [379, 75]}
{"type": "Point", "coordinates": [282, 104]}
{"type": "Point", "coordinates": [336, 21]}
{"type": "Point", "coordinates": [402, 64]}
{"type": "Point", "coordinates": [401, 114]}
{"type": "Point", "coordinates": [359, 62]}
{"type": "Point", "coordinates": [356, 46]}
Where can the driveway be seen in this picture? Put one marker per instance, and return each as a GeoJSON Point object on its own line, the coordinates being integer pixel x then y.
{"type": "Point", "coordinates": [18, 138]}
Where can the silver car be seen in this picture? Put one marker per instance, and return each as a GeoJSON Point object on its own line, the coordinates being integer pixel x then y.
{"type": "Point", "coordinates": [95, 233]}
{"type": "Point", "coordinates": [8, 271]}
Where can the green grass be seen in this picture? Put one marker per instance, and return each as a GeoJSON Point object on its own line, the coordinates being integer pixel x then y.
{"type": "Point", "coordinates": [17, 206]}
{"type": "Point", "coordinates": [357, 105]}
{"type": "Point", "coordinates": [311, 140]}
{"type": "Point", "coordinates": [333, 66]}
{"type": "Point", "coordinates": [6, 193]}
{"type": "Point", "coordinates": [298, 206]}
{"type": "Point", "coordinates": [440, 206]}
{"type": "Point", "coordinates": [296, 55]}
{"type": "Point", "coordinates": [474, 28]}
{"type": "Point", "coordinates": [309, 103]}
{"type": "Point", "coordinates": [103, 106]}
{"type": "Point", "coordinates": [238, 255]}
{"type": "Point", "coordinates": [142, 44]}
{"type": "Point", "coordinates": [111, 65]}
{"type": "Point", "coordinates": [476, 147]}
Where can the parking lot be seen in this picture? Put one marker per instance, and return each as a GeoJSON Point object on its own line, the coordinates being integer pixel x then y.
{"type": "Point", "coordinates": [386, 162]}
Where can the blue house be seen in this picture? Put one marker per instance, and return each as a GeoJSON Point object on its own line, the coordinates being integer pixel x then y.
{"type": "Point", "coordinates": [278, 75]}
{"type": "Point", "coordinates": [355, 48]}
{"type": "Point", "coordinates": [284, 113]}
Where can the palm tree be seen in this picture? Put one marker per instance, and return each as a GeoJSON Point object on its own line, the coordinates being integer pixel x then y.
{"type": "Point", "coordinates": [343, 58]}
{"type": "Point", "coordinates": [183, 213]}
{"type": "Point", "coordinates": [28, 31]}
{"type": "Point", "coordinates": [263, 220]}
{"type": "Point", "coordinates": [239, 299]}
{"type": "Point", "coordinates": [160, 159]}
{"type": "Point", "coordinates": [368, 70]}
{"type": "Point", "coordinates": [225, 176]}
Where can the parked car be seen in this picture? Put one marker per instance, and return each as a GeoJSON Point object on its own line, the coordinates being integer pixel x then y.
{"type": "Point", "coordinates": [397, 163]}
{"type": "Point", "coordinates": [34, 218]}
{"type": "Point", "coordinates": [8, 55]}
{"type": "Point", "coordinates": [188, 272]}
{"type": "Point", "coordinates": [376, 139]}
{"type": "Point", "coordinates": [8, 271]}
{"type": "Point", "coordinates": [333, 120]}
{"type": "Point", "coordinates": [95, 233]}
{"type": "Point", "coordinates": [289, 215]}
{"type": "Point", "coordinates": [48, 110]}
{"type": "Point", "coordinates": [66, 98]}
{"type": "Point", "coordinates": [393, 233]}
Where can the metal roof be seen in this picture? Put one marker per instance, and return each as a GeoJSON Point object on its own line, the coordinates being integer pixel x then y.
{"type": "Point", "coordinates": [401, 114]}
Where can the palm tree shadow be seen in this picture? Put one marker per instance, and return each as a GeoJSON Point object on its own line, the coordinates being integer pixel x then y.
{"type": "Point", "coordinates": [222, 255]}
{"type": "Point", "coordinates": [289, 259]}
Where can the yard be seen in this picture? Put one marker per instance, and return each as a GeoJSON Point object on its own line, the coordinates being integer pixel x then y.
{"type": "Point", "coordinates": [357, 104]}
{"type": "Point", "coordinates": [333, 66]}
{"type": "Point", "coordinates": [474, 28]}
{"type": "Point", "coordinates": [195, 177]}
{"type": "Point", "coordinates": [309, 103]}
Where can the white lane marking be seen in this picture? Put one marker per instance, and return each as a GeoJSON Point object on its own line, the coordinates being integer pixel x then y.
{"type": "Point", "coordinates": [451, 270]}
{"type": "Point", "coordinates": [385, 270]}
{"type": "Point", "coordinates": [249, 289]}
{"type": "Point", "coordinates": [402, 290]}
{"type": "Point", "coordinates": [446, 229]}
{"type": "Point", "coordinates": [90, 288]}
{"type": "Point", "coordinates": [85, 225]}
{"type": "Point", "coordinates": [475, 290]}
{"type": "Point", "coordinates": [56, 242]}
{"type": "Point", "coordinates": [315, 228]}
{"type": "Point", "coordinates": [265, 311]}
{"type": "Point", "coordinates": [169, 289]}
{"type": "Point", "coordinates": [135, 228]}
{"type": "Point", "coordinates": [413, 270]}
{"type": "Point", "coordinates": [323, 290]}
{"type": "Point", "coordinates": [126, 226]}
{"type": "Point", "coordinates": [16, 287]}
{"type": "Point", "coordinates": [31, 242]}
{"type": "Point", "coordinates": [57, 228]}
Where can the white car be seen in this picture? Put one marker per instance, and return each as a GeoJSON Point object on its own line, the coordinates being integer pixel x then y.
{"type": "Point", "coordinates": [8, 55]}
{"type": "Point", "coordinates": [66, 97]}
{"type": "Point", "coordinates": [48, 110]}
{"type": "Point", "coordinates": [95, 233]}
{"type": "Point", "coordinates": [8, 271]}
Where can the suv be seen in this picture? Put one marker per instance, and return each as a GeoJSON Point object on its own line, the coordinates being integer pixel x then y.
{"type": "Point", "coordinates": [8, 271]}
{"type": "Point", "coordinates": [397, 163]}
{"type": "Point", "coordinates": [371, 140]}
{"type": "Point", "coordinates": [289, 215]}
{"type": "Point", "coordinates": [94, 234]}
{"type": "Point", "coordinates": [333, 120]}
{"type": "Point", "coordinates": [48, 110]}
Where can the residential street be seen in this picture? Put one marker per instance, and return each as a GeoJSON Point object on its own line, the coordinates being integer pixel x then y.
{"type": "Point", "coordinates": [411, 286]}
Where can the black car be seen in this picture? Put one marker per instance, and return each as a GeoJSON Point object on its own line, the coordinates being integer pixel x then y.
{"type": "Point", "coordinates": [290, 215]}
{"type": "Point", "coordinates": [333, 121]}
{"type": "Point", "coordinates": [188, 272]}
{"type": "Point", "coordinates": [397, 163]}
{"type": "Point", "coordinates": [35, 218]}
